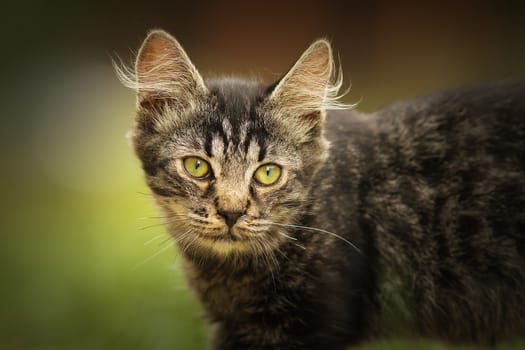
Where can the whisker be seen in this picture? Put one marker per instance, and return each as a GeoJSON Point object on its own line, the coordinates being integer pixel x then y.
{"type": "Point", "coordinates": [151, 226]}
{"type": "Point", "coordinates": [181, 237]}
{"type": "Point", "coordinates": [300, 246]}
{"type": "Point", "coordinates": [319, 230]}
{"type": "Point", "coordinates": [287, 236]}
{"type": "Point", "coordinates": [186, 244]}
{"type": "Point", "coordinates": [271, 259]}
{"type": "Point", "coordinates": [154, 238]}
{"type": "Point", "coordinates": [157, 253]}
{"type": "Point", "coordinates": [268, 258]}
{"type": "Point", "coordinates": [168, 239]}
{"type": "Point", "coordinates": [161, 217]}
{"type": "Point", "coordinates": [291, 238]}
{"type": "Point", "coordinates": [284, 255]}
{"type": "Point", "coordinates": [174, 215]}
{"type": "Point", "coordinates": [144, 194]}
{"type": "Point", "coordinates": [174, 220]}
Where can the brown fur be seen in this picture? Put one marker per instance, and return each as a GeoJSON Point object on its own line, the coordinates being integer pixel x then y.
{"type": "Point", "coordinates": [410, 218]}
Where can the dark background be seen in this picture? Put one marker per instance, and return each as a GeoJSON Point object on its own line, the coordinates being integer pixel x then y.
{"type": "Point", "coordinates": [83, 261]}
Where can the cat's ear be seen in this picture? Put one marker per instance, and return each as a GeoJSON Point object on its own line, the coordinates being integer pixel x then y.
{"type": "Point", "coordinates": [164, 73]}
{"type": "Point", "coordinates": [307, 89]}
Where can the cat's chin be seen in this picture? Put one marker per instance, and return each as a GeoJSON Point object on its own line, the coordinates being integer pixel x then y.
{"type": "Point", "coordinates": [229, 243]}
{"type": "Point", "coordinates": [225, 246]}
{"type": "Point", "coordinates": [230, 235]}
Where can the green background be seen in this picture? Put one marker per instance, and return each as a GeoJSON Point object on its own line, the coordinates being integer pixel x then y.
{"type": "Point", "coordinates": [84, 263]}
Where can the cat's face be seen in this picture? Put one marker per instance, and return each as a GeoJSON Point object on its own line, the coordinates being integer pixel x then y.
{"type": "Point", "coordinates": [229, 162]}
{"type": "Point", "coordinates": [227, 177]}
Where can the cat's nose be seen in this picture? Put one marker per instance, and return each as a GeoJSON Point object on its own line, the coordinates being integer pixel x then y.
{"type": "Point", "coordinates": [230, 217]}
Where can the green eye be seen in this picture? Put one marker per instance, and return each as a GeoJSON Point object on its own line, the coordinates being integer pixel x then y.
{"type": "Point", "coordinates": [196, 167]}
{"type": "Point", "coordinates": [267, 174]}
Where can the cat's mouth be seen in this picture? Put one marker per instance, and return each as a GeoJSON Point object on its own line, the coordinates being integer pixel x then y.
{"type": "Point", "coordinates": [230, 241]}
{"type": "Point", "coordinates": [228, 236]}
{"type": "Point", "coordinates": [204, 235]}
{"type": "Point", "coordinates": [242, 239]}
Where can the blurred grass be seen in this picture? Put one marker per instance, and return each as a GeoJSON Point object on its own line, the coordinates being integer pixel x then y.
{"type": "Point", "coordinates": [86, 280]}
{"type": "Point", "coordinates": [77, 269]}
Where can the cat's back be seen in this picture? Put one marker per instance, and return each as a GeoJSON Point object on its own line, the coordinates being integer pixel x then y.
{"type": "Point", "coordinates": [463, 142]}
{"type": "Point", "coordinates": [443, 189]}
{"type": "Point", "coordinates": [491, 115]}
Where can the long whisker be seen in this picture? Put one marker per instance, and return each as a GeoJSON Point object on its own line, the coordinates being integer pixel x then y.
{"type": "Point", "coordinates": [186, 244]}
{"type": "Point", "coordinates": [144, 194]}
{"type": "Point", "coordinates": [171, 221]}
{"type": "Point", "coordinates": [153, 239]}
{"type": "Point", "coordinates": [158, 252]}
{"type": "Point", "coordinates": [319, 230]}
{"type": "Point", "coordinates": [284, 255]}
{"type": "Point", "coordinates": [268, 258]}
{"type": "Point", "coordinates": [287, 236]}
{"type": "Point", "coordinates": [171, 215]}
{"type": "Point", "coordinates": [290, 238]}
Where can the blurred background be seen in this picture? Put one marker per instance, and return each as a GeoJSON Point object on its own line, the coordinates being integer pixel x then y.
{"type": "Point", "coordinates": [84, 263]}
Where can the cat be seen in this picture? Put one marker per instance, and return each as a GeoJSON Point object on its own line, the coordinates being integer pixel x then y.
{"type": "Point", "coordinates": [303, 224]}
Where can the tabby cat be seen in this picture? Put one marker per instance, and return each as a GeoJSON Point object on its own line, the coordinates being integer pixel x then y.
{"type": "Point", "coordinates": [305, 225]}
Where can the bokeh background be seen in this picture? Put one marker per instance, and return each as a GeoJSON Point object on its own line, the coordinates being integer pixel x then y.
{"type": "Point", "coordinates": [84, 263]}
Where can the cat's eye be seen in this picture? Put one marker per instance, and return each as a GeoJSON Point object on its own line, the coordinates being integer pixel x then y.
{"type": "Point", "coordinates": [267, 174]}
{"type": "Point", "coordinates": [196, 167]}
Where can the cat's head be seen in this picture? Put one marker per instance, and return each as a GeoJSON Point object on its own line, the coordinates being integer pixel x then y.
{"type": "Point", "coordinates": [230, 162]}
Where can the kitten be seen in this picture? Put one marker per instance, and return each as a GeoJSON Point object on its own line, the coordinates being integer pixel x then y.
{"type": "Point", "coordinates": [306, 227]}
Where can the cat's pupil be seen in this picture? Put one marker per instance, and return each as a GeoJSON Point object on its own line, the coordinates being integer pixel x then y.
{"type": "Point", "coordinates": [197, 164]}
{"type": "Point", "coordinates": [268, 170]}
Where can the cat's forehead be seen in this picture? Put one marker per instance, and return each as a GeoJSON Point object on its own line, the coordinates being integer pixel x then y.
{"type": "Point", "coordinates": [233, 124]}
{"type": "Point", "coordinates": [236, 98]}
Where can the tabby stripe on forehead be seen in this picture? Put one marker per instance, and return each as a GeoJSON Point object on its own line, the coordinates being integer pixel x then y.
{"type": "Point", "coordinates": [236, 134]}
{"type": "Point", "coordinates": [253, 136]}
{"type": "Point", "coordinates": [216, 132]}
{"type": "Point", "coordinates": [227, 128]}
{"type": "Point", "coordinates": [262, 152]}
{"type": "Point", "coordinates": [207, 144]}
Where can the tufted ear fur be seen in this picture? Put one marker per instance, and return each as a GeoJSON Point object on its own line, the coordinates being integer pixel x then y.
{"type": "Point", "coordinates": [303, 94]}
{"type": "Point", "coordinates": [163, 75]}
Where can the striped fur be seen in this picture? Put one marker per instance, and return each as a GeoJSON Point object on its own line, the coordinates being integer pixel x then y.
{"type": "Point", "coordinates": [405, 221]}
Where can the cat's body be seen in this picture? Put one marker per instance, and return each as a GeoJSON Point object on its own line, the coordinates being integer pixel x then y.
{"type": "Point", "coordinates": [430, 192]}
{"type": "Point", "coordinates": [412, 221]}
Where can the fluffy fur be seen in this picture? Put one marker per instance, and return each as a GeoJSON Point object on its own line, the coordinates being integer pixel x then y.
{"type": "Point", "coordinates": [407, 220]}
